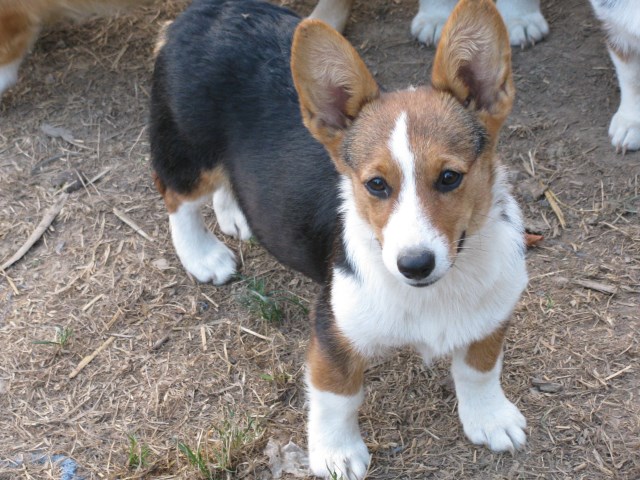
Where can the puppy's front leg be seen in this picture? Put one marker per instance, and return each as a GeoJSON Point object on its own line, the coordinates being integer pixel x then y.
{"type": "Point", "coordinates": [487, 416]}
{"type": "Point", "coordinates": [334, 382]}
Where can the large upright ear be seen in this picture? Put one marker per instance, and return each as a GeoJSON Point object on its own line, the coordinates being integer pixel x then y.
{"type": "Point", "coordinates": [332, 81]}
{"type": "Point", "coordinates": [473, 62]}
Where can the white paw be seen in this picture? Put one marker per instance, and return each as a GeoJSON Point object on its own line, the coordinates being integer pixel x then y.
{"type": "Point", "coordinates": [527, 30]}
{"type": "Point", "coordinates": [230, 218]}
{"type": "Point", "coordinates": [426, 26]}
{"type": "Point", "coordinates": [211, 261]}
{"type": "Point", "coordinates": [201, 253]}
{"type": "Point", "coordinates": [497, 424]}
{"type": "Point", "coordinates": [348, 461]}
{"type": "Point", "coordinates": [524, 21]}
{"type": "Point", "coordinates": [625, 132]}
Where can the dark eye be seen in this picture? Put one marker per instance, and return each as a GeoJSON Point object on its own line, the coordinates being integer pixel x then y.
{"type": "Point", "coordinates": [448, 180]}
{"type": "Point", "coordinates": [378, 187]}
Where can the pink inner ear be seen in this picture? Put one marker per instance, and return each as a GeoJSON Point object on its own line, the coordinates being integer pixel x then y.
{"type": "Point", "coordinates": [480, 88]}
{"type": "Point", "coordinates": [333, 113]}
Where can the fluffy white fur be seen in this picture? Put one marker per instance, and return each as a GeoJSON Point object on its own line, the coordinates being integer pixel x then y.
{"type": "Point", "coordinates": [230, 218]}
{"type": "Point", "coordinates": [408, 228]}
{"type": "Point", "coordinates": [335, 444]}
{"type": "Point", "coordinates": [376, 312]}
{"type": "Point", "coordinates": [201, 253]}
{"type": "Point", "coordinates": [621, 19]}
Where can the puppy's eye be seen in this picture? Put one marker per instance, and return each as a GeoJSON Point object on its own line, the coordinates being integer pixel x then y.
{"type": "Point", "coordinates": [378, 187]}
{"type": "Point", "coordinates": [448, 180]}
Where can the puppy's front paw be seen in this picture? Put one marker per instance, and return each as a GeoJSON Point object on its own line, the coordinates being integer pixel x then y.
{"type": "Point", "coordinates": [625, 132]}
{"type": "Point", "coordinates": [209, 260]}
{"type": "Point", "coordinates": [348, 461]}
{"type": "Point", "coordinates": [496, 424]}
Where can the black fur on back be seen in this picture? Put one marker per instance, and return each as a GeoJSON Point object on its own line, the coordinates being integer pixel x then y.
{"type": "Point", "coordinates": [223, 94]}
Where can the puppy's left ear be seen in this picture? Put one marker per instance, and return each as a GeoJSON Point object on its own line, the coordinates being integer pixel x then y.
{"type": "Point", "coordinates": [473, 62]}
{"type": "Point", "coordinates": [332, 82]}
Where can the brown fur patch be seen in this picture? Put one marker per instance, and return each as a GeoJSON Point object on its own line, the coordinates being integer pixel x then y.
{"type": "Point", "coordinates": [17, 32]}
{"type": "Point", "coordinates": [334, 365]}
{"type": "Point", "coordinates": [483, 354]}
{"type": "Point", "coordinates": [209, 181]}
{"type": "Point", "coordinates": [326, 374]}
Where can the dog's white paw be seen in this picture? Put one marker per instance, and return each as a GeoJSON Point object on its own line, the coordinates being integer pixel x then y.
{"type": "Point", "coordinates": [201, 253]}
{"type": "Point", "coordinates": [348, 461]}
{"type": "Point", "coordinates": [497, 424]}
{"type": "Point", "coordinates": [427, 27]}
{"type": "Point", "coordinates": [625, 132]}
{"type": "Point", "coordinates": [230, 218]}
{"type": "Point", "coordinates": [524, 20]}
{"type": "Point", "coordinates": [527, 30]}
{"type": "Point", "coordinates": [211, 261]}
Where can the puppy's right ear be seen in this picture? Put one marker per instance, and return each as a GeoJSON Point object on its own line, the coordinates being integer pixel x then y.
{"type": "Point", "coordinates": [332, 82]}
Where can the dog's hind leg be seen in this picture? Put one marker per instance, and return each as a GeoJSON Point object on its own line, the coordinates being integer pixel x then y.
{"type": "Point", "coordinates": [201, 253]}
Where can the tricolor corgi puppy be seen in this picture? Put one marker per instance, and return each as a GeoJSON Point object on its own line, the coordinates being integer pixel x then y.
{"type": "Point", "coordinates": [21, 21]}
{"type": "Point", "coordinates": [395, 202]}
{"type": "Point", "coordinates": [621, 20]}
{"type": "Point", "coordinates": [524, 20]}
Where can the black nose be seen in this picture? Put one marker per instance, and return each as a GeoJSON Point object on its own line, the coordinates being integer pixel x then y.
{"type": "Point", "coordinates": [416, 265]}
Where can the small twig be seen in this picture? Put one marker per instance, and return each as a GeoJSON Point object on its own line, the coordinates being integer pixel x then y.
{"type": "Point", "coordinates": [619, 372]}
{"type": "Point", "coordinates": [597, 286]}
{"type": "Point", "coordinates": [255, 334]}
{"type": "Point", "coordinates": [131, 223]}
{"type": "Point", "coordinates": [10, 282]}
{"type": "Point", "coordinates": [553, 201]}
{"type": "Point", "coordinates": [47, 220]}
{"type": "Point", "coordinates": [86, 360]}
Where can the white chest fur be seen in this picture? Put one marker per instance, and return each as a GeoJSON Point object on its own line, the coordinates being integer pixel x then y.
{"type": "Point", "coordinates": [375, 311]}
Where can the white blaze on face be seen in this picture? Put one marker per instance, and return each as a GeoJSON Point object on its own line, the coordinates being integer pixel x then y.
{"type": "Point", "coordinates": [409, 227]}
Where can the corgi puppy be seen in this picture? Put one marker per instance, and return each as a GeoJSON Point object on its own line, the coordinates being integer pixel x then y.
{"type": "Point", "coordinates": [21, 21]}
{"type": "Point", "coordinates": [621, 21]}
{"type": "Point", "coordinates": [525, 22]}
{"type": "Point", "coordinates": [395, 202]}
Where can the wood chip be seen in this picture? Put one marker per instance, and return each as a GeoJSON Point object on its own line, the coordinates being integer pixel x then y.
{"type": "Point", "coordinates": [125, 218]}
{"type": "Point", "coordinates": [87, 360]}
{"type": "Point", "coordinates": [597, 286]}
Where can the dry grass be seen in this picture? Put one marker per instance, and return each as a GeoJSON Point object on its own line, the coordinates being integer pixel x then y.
{"type": "Point", "coordinates": [179, 356]}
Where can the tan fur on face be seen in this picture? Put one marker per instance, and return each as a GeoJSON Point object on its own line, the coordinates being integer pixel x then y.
{"type": "Point", "coordinates": [442, 136]}
{"type": "Point", "coordinates": [473, 92]}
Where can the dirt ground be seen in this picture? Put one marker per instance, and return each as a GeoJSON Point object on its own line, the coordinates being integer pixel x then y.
{"type": "Point", "coordinates": [188, 367]}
